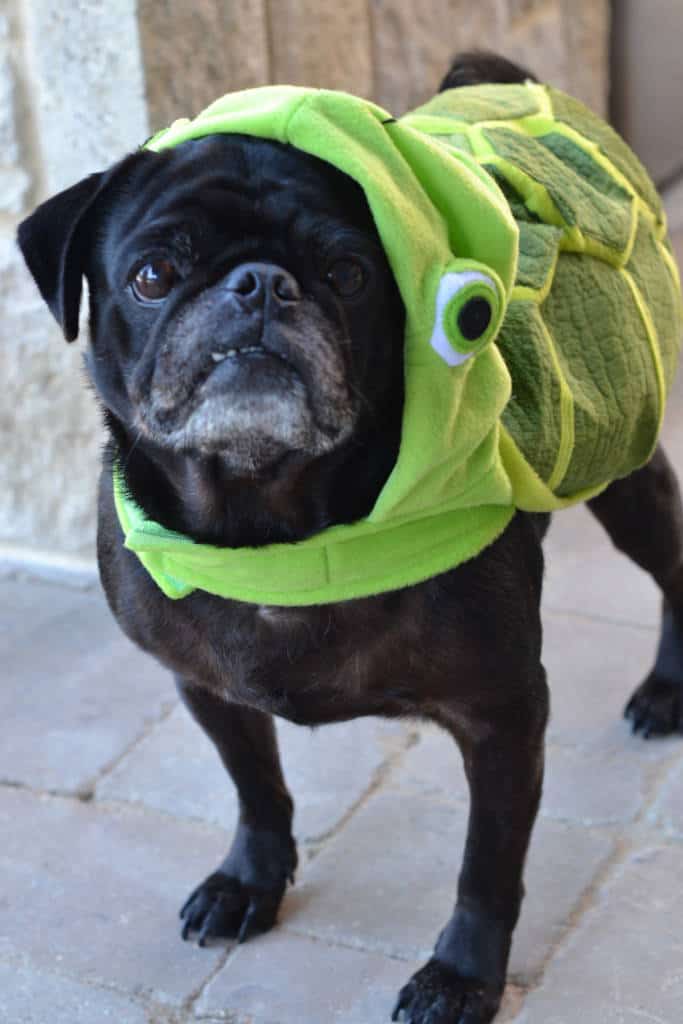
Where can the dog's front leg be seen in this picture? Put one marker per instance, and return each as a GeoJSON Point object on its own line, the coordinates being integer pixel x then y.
{"type": "Point", "coordinates": [464, 980]}
{"type": "Point", "coordinates": [243, 895]}
{"type": "Point", "coordinates": [491, 695]}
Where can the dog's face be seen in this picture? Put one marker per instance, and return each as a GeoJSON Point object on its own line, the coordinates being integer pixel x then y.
{"type": "Point", "coordinates": [241, 303]}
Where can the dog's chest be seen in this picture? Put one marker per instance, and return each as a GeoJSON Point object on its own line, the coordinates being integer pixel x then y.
{"type": "Point", "coordinates": [309, 665]}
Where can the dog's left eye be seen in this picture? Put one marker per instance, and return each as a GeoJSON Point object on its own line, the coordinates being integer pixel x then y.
{"type": "Point", "coordinates": [346, 277]}
{"type": "Point", "coordinates": [154, 281]}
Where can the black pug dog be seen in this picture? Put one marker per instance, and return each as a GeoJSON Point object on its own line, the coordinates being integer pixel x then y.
{"type": "Point", "coordinates": [246, 348]}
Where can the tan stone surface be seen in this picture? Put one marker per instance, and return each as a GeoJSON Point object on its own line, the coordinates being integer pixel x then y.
{"type": "Point", "coordinates": [86, 103]}
{"type": "Point", "coordinates": [561, 41]}
{"type": "Point", "coordinates": [14, 179]}
{"type": "Point", "coordinates": [414, 44]}
{"type": "Point", "coordinates": [648, 81]}
{"type": "Point", "coordinates": [193, 53]}
{"type": "Point", "coordinates": [50, 429]}
{"type": "Point", "coordinates": [71, 102]}
{"type": "Point", "coordinates": [322, 43]}
{"type": "Point", "coordinates": [585, 25]}
{"type": "Point", "coordinates": [538, 43]}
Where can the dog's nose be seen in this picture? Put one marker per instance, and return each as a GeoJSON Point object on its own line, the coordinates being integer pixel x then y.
{"type": "Point", "coordinates": [255, 282]}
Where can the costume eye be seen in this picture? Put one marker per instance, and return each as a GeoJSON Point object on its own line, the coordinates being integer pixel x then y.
{"type": "Point", "coordinates": [474, 317]}
{"type": "Point", "coordinates": [154, 281]}
{"type": "Point", "coordinates": [470, 304]}
{"type": "Point", "coordinates": [346, 277]}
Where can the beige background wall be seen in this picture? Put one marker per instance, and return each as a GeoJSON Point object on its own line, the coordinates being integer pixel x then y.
{"type": "Point", "coordinates": [84, 81]}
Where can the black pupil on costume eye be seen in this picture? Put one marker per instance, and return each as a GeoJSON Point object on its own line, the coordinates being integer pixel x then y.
{"type": "Point", "coordinates": [154, 281]}
{"type": "Point", "coordinates": [346, 277]}
{"type": "Point", "coordinates": [474, 318]}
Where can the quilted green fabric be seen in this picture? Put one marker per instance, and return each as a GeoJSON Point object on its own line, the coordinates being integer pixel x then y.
{"type": "Point", "coordinates": [520, 198]}
{"type": "Point", "coordinates": [592, 332]}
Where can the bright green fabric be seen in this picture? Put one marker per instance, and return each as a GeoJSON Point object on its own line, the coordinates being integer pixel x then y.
{"type": "Point", "coordinates": [332, 562]}
{"type": "Point", "coordinates": [517, 193]}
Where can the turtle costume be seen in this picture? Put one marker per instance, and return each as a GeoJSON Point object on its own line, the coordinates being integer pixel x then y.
{"type": "Point", "coordinates": [543, 324]}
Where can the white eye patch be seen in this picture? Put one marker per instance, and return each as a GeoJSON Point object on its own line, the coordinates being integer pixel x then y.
{"type": "Point", "coordinates": [467, 315]}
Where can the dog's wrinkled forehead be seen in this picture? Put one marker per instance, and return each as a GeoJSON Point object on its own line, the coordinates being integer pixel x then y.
{"type": "Point", "coordinates": [239, 184]}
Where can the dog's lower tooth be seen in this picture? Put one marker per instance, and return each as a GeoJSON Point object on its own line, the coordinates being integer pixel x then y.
{"type": "Point", "coordinates": [218, 357]}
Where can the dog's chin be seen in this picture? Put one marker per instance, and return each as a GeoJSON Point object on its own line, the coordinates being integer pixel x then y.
{"type": "Point", "coordinates": [251, 429]}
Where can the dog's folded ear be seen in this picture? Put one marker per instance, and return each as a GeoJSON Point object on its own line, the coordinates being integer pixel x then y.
{"type": "Point", "coordinates": [55, 242]}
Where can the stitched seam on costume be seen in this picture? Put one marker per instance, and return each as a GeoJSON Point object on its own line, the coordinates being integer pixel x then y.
{"type": "Point", "coordinates": [543, 96]}
{"type": "Point", "coordinates": [653, 339]}
{"type": "Point", "coordinates": [671, 263]}
{"type": "Point", "coordinates": [389, 579]}
{"type": "Point", "coordinates": [525, 292]}
{"type": "Point", "coordinates": [555, 501]}
{"type": "Point", "coordinates": [533, 126]}
{"type": "Point", "coordinates": [530, 190]}
{"type": "Point", "coordinates": [567, 434]}
{"type": "Point", "coordinates": [292, 114]}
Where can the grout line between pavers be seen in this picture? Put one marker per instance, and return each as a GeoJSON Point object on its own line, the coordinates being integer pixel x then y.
{"type": "Point", "coordinates": [629, 836]}
{"type": "Point", "coordinates": [656, 774]}
{"type": "Point", "coordinates": [189, 1003]}
{"type": "Point", "coordinates": [603, 620]}
{"type": "Point", "coordinates": [146, 1000]}
{"type": "Point", "coordinates": [380, 775]}
{"type": "Point", "coordinates": [86, 791]}
{"type": "Point", "coordinates": [357, 945]}
{"type": "Point", "coordinates": [587, 900]}
{"type": "Point", "coordinates": [109, 803]}
{"type": "Point", "coordinates": [90, 787]}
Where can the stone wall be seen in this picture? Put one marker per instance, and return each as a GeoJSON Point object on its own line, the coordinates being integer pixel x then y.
{"type": "Point", "coordinates": [72, 100]}
{"type": "Point", "coordinates": [83, 82]}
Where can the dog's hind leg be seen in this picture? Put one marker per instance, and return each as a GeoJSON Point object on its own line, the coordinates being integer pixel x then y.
{"type": "Point", "coordinates": [243, 895]}
{"type": "Point", "coordinates": [643, 516]}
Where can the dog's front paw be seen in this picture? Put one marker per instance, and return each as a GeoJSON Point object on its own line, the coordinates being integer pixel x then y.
{"type": "Point", "coordinates": [437, 994]}
{"type": "Point", "coordinates": [656, 707]}
{"type": "Point", "coordinates": [223, 907]}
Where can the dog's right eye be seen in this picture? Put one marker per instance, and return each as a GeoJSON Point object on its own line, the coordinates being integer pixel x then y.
{"type": "Point", "coordinates": [154, 281]}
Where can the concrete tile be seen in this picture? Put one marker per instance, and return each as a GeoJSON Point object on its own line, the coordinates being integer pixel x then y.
{"type": "Point", "coordinates": [25, 606]}
{"type": "Point", "coordinates": [667, 811]}
{"type": "Point", "coordinates": [76, 693]}
{"type": "Point", "coordinates": [622, 964]}
{"type": "Point", "coordinates": [28, 996]}
{"type": "Point", "coordinates": [587, 788]}
{"type": "Point", "coordinates": [586, 575]}
{"type": "Point", "coordinates": [432, 768]}
{"type": "Point", "coordinates": [290, 979]}
{"type": "Point", "coordinates": [97, 893]}
{"type": "Point", "coordinates": [387, 882]}
{"type": "Point", "coordinates": [593, 787]}
{"type": "Point", "coordinates": [176, 769]}
{"type": "Point", "coordinates": [593, 668]}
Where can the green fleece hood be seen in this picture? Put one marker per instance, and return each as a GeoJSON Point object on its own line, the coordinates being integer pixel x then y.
{"type": "Point", "coordinates": [543, 319]}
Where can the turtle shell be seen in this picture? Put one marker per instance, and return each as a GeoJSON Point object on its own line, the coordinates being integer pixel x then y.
{"type": "Point", "coordinates": [592, 332]}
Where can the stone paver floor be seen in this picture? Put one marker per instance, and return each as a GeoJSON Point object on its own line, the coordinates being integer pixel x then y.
{"type": "Point", "coordinates": [113, 805]}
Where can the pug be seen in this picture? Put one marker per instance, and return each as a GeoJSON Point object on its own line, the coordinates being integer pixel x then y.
{"type": "Point", "coordinates": [247, 353]}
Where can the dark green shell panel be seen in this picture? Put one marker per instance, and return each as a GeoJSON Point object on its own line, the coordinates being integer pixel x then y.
{"type": "Point", "coordinates": [592, 333]}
